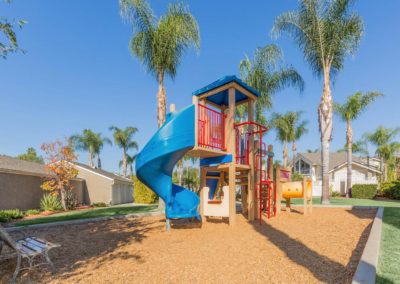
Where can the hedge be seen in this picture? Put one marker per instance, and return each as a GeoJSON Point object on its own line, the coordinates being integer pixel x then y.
{"type": "Point", "coordinates": [390, 189]}
{"type": "Point", "coordinates": [364, 191]}
{"type": "Point", "coordinates": [143, 194]}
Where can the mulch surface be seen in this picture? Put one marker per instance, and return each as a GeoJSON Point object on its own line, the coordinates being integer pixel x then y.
{"type": "Point", "coordinates": [291, 248]}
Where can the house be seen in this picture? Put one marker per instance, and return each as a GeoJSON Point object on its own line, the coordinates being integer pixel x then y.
{"type": "Point", "coordinates": [365, 170]}
{"type": "Point", "coordinates": [20, 185]}
{"type": "Point", "coordinates": [103, 186]}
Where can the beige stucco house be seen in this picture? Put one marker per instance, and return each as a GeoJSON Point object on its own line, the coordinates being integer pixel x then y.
{"type": "Point", "coordinates": [20, 185]}
{"type": "Point", "coordinates": [365, 170]}
{"type": "Point", "coordinates": [103, 186]}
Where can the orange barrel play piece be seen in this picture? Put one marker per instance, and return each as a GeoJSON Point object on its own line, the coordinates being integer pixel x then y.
{"type": "Point", "coordinates": [292, 189]}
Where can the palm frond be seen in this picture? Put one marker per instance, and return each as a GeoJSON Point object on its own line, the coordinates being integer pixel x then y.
{"type": "Point", "coordinates": [325, 31]}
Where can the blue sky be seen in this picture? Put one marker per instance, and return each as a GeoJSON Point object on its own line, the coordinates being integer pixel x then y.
{"type": "Point", "coordinates": [78, 73]}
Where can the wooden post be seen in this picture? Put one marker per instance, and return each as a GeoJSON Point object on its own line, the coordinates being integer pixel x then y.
{"type": "Point", "coordinates": [203, 175]}
{"type": "Point", "coordinates": [256, 177]}
{"type": "Point", "coordinates": [250, 183]}
{"type": "Point", "coordinates": [288, 209]}
{"type": "Point", "coordinates": [278, 189]}
{"type": "Point", "coordinates": [270, 176]}
{"type": "Point", "coordinates": [304, 196]}
{"type": "Point", "coordinates": [231, 149]}
{"type": "Point", "coordinates": [307, 198]}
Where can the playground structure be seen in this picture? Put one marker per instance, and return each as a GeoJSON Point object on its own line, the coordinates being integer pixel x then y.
{"type": "Point", "coordinates": [232, 156]}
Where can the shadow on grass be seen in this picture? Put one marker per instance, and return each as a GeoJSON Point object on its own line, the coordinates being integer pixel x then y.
{"type": "Point", "coordinates": [87, 214]}
{"type": "Point", "coordinates": [323, 268]}
{"type": "Point", "coordinates": [94, 244]}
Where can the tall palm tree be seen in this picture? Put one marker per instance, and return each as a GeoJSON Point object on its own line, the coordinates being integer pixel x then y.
{"type": "Point", "coordinates": [325, 31]}
{"type": "Point", "coordinates": [130, 159]}
{"type": "Point", "coordinates": [265, 74]}
{"type": "Point", "coordinates": [160, 44]}
{"type": "Point", "coordinates": [297, 128]}
{"type": "Point", "coordinates": [123, 138]}
{"type": "Point", "coordinates": [280, 122]}
{"type": "Point", "coordinates": [359, 147]}
{"type": "Point", "coordinates": [349, 111]}
{"type": "Point", "coordinates": [85, 142]}
{"type": "Point", "coordinates": [386, 146]}
{"type": "Point", "coordinates": [99, 142]}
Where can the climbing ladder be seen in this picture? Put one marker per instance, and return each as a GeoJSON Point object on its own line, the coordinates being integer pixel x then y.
{"type": "Point", "coordinates": [264, 187]}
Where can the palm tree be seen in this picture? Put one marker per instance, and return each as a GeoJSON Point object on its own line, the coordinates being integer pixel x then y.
{"type": "Point", "coordinates": [386, 147]}
{"type": "Point", "coordinates": [8, 40]}
{"type": "Point", "coordinates": [325, 31]}
{"type": "Point", "coordinates": [265, 74]}
{"type": "Point", "coordinates": [359, 147]}
{"type": "Point", "coordinates": [130, 159]}
{"type": "Point", "coordinates": [280, 123]}
{"type": "Point", "coordinates": [85, 142]}
{"type": "Point", "coordinates": [123, 139]}
{"type": "Point", "coordinates": [160, 44]}
{"type": "Point", "coordinates": [297, 128]}
{"type": "Point", "coordinates": [349, 111]}
{"type": "Point", "coordinates": [99, 143]}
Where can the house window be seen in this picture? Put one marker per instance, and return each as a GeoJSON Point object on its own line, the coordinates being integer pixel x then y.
{"type": "Point", "coordinates": [302, 167]}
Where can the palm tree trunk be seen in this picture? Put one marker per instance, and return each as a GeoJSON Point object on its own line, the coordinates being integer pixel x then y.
{"type": "Point", "coordinates": [161, 113]}
{"type": "Point", "coordinates": [161, 101]}
{"type": "Point", "coordinates": [124, 163]}
{"type": "Point", "coordinates": [349, 158]}
{"type": "Point", "coordinates": [285, 154]}
{"type": "Point", "coordinates": [90, 159]}
{"type": "Point", "coordinates": [325, 112]}
{"type": "Point", "coordinates": [98, 161]}
{"type": "Point", "coordinates": [294, 149]}
{"type": "Point", "coordinates": [382, 169]}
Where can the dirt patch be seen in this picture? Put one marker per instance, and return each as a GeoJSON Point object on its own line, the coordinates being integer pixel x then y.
{"type": "Point", "coordinates": [291, 248]}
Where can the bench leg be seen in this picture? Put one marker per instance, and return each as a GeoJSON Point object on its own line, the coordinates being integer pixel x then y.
{"type": "Point", "coordinates": [14, 279]}
{"type": "Point", "coordinates": [46, 255]}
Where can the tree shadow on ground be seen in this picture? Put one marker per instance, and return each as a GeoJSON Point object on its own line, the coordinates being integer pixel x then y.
{"type": "Point", "coordinates": [80, 243]}
{"type": "Point", "coordinates": [323, 268]}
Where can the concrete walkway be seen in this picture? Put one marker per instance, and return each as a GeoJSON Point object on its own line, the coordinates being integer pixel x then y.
{"type": "Point", "coordinates": [367, 267]}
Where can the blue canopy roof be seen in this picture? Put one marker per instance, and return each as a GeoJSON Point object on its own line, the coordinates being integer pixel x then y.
{"type": "Point", "coordinates": [221, 98]}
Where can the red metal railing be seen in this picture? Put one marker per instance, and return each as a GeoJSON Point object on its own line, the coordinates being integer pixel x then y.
{"type": "Point", "coordinates": [242, 147]}
{"type": "Point", "coordinates": [211, 128]}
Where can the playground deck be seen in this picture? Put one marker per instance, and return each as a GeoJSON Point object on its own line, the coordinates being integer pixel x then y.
{"type": "Point", "coordinates": [291, 248]}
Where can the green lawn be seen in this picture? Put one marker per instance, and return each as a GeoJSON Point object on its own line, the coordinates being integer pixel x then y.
{"type": "Point", "coordinates": [90, 213]}
{"type": "Point", "coordinates": [389, 257]}
{"type": "Point", "coordinates": [352, 201]}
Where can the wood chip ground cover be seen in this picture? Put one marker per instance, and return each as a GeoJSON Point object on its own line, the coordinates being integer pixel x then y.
{"type": "Point", "coordinates": [291, 248]}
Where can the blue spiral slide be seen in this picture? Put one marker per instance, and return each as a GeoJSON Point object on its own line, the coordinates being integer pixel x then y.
{"type": "Point", "coordinates": [155, 163]}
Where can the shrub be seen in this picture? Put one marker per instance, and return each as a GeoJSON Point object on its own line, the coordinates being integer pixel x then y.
{"type": "Point", "coordinates": [7, 215]}
{"type": "Point", "coordinates": [143, 194]}
{"type": "Point", "coordinates": [390, 189]}
{"type": "Point", "coordinates": [99, 204]}
{"type": "Point", "coordinates": [364, 191]}
{"type": "Point", "coordinates": [335, 194]}
{"type": "Point", "coordinates": [297, 176]}
{"type": "Point", "coordinates": [50, 202]}
{"type": "Point", "coordinates": [32, 212]}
